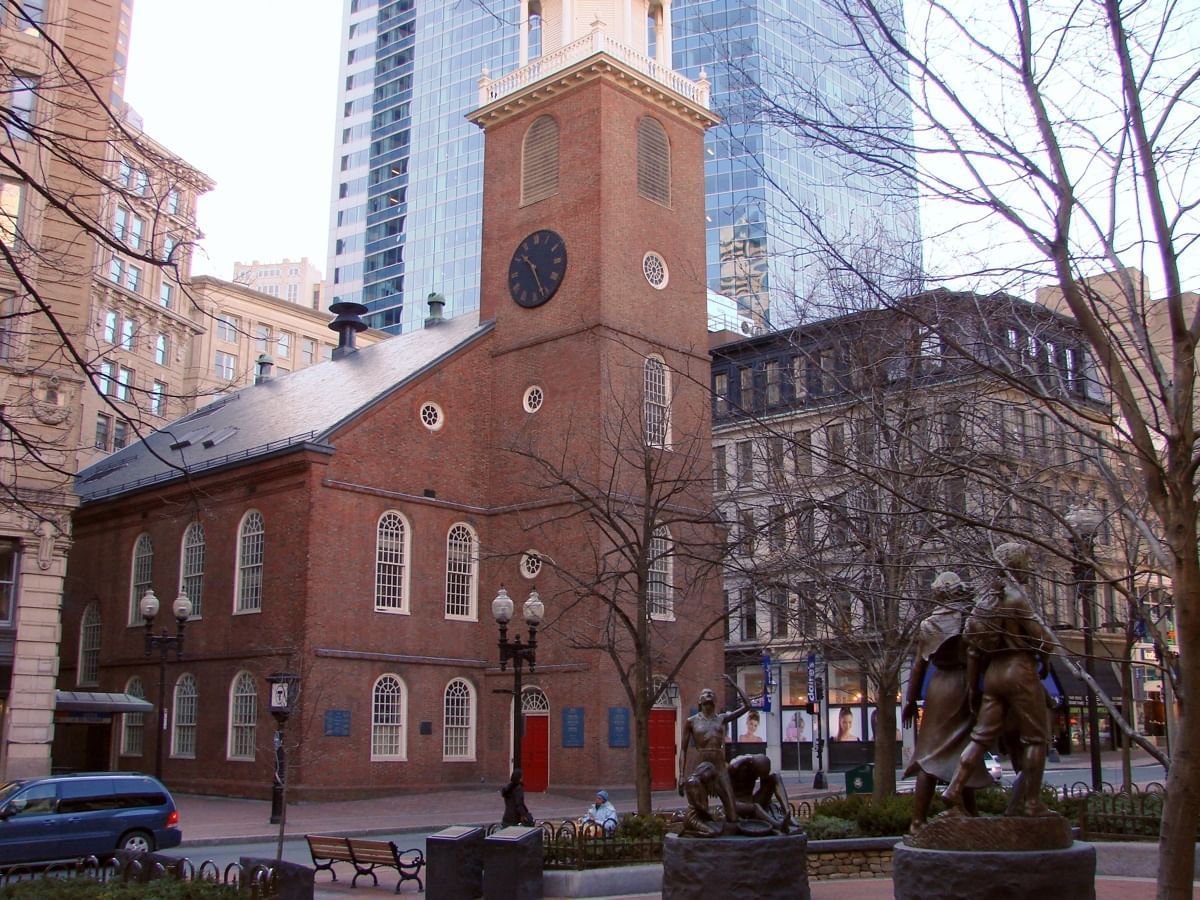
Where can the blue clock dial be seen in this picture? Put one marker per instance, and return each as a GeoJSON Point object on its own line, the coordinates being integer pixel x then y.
{"type": "Point", "coordinates": [537, 269]}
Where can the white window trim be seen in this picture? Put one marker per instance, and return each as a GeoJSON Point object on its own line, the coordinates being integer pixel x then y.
{"type": "Point", "coordinates": [237, 574]}
{"type": "Point", "coordinates": [406, 552]}
{"type": "Point", "coordinates": [662, 533]}
{"type": "Point", "coordinates": [664, 441]}
{"type": "Point", "coordinates": [135, 687]}
{"type": "Point", "coordinates": [197, 602]}
{"type": "Point", "coordinates": [194, 725]}
{"type": "Point", "coordinates": [472, 728]}
{"type": "Point", "coordinates": [472, 614]}
{"type": "Point", "coordinates": [135, 613]}
{"type": "Point", "coordinates": [402, 755]}
{"type": "Point", "coordinates": [229, 754]}
{"type": "Point", "coordinates": [85, 645]}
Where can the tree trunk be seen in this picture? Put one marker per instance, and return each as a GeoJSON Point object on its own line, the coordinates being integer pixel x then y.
{"type": "Point", "coordinates": [1177, 838]}
{"type": "Point", "coordinates": [641, 740]}
{"type": "Point", "coordinates": [885, 742]}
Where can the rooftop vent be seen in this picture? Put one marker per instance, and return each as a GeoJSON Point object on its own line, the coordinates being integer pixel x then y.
{"type": "Point", "coordinates": [264, 364]}
{"type": "Point", "coordinates": [347, 325]}
{"type": "Point", "coordinates": [436, 304]}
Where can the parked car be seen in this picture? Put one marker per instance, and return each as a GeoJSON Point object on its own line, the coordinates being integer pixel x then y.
{"type": "Point", "coordinates": [991, 762]}
{"type": "Point", "coordinates": [70, 816]}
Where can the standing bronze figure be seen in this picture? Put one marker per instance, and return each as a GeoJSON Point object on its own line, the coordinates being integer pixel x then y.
{"type": "Point", "coordinates": [1008, 643]}
{"type": "Point", "coordinates": [946, 723]}
{"type": "Point", "coordinates": [707, 729]}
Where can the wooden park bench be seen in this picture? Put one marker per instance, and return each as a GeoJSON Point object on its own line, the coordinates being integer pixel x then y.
{"type": "Point", "coordinates": [366, 856]}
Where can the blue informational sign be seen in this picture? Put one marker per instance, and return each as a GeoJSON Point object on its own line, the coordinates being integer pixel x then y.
{"type": "Point", "coordinates": [337, 723]}
{"type": "Point", "coordinates": [618, 726]}
{"type": "Point", "coordinates": [572, 726]}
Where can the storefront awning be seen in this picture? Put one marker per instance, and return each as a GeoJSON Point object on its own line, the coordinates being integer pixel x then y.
{"type": "Point", "coordinates": [1076, 690]}
{"type": "Point", "coordinates": [98, 702]}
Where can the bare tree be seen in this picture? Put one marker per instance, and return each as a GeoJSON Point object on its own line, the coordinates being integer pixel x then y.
{"type": "Point", "coordinates": [1060, 143]}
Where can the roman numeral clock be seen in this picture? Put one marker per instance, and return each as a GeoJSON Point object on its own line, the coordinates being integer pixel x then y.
{"type": "Point", "coordinates": [537, 268]}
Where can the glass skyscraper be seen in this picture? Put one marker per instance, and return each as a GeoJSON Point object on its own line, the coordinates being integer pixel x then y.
{"type": "Point", "coordinates": [407, 185]}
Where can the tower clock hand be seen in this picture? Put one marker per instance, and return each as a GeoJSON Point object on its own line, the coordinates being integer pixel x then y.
{"type": "Point", "coordinates": [533, 269]}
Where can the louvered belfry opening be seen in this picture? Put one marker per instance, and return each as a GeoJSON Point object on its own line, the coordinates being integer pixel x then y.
{"type": "Point", "coordinates": [654, 161]}
{"type": "Point", "coordinates": [539, 161]}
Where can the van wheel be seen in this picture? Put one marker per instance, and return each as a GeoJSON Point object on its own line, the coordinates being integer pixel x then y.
{"type": "Point", "coordinates": [136, 842]}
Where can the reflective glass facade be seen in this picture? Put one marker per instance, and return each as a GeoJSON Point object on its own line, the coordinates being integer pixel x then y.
{"type": "Point", "coordinates": [768, 195]}
{"type": "Point", "coordinates": [407, 187]}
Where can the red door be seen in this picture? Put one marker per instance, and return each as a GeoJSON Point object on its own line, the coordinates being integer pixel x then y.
{"type": "Point", "coordinates": [535, 753]}
{"type": "Point", "coordinates": [662, 749]}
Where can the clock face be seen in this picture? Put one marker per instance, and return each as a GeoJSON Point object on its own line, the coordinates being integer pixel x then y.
{"type": "Point", "coordinates": [537, 268]}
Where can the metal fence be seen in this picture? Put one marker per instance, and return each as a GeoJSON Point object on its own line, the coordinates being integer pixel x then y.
{"type": "Point", "coordinates": [258, 882]}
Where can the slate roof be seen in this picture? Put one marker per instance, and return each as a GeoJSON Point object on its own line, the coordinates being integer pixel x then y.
{"type": "Point", "coordinates": [300, 408]}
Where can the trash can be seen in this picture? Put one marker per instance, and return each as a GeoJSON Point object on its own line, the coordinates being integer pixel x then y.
{"type": "Point", "coordinates": [860, 779]}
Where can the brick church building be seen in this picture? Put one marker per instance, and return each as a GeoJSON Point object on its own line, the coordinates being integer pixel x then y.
{"type": "Point", "coordinates": [352, 521]}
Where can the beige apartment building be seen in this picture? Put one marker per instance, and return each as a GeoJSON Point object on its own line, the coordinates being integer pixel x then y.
{"type": "Point", "coordinates": [142, 322]}
{"type": "Point", "coordinates": [70, 149]}
{"type": "Point", "coordinates": [236, 327]}
{"type": "Point", "coordinates": [296, 281]}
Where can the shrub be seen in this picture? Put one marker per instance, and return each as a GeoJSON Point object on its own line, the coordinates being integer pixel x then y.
{"type": "Point", "coordinates": [830, 828]}
{"type": "Point", "coordinates": [87, 889]}
{"type": "Point", "coordinates": [640, 828]}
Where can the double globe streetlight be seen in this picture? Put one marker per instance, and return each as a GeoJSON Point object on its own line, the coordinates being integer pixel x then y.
{"type": "Point", "coordinates": [518, 653]}
{"type": "Point", "coordinates": [182, 609]}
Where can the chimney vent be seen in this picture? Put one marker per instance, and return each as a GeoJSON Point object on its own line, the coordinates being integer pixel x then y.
{"type": "Point", "coordinates": [436, 303]}
{"type": "Point", "coordinates": [264, 364]}
{"type": "Point", "coordinates": [347, 325]}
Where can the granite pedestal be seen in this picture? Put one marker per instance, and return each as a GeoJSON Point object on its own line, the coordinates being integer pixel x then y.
{"type": "Point", "coordinates": [454, 864]}
{"type": "Point", "coordinates": [512, 864]}
{"type": "Point", "coordinates": [759, 867]}
{"type": "Point", "coordinates": [923, 874]}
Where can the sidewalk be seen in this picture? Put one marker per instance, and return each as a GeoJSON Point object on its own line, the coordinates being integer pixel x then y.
{"type": "Point", "coordinates": [209, 820]}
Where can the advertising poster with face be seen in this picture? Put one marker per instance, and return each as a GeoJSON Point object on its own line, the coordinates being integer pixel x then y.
{"type": "Point", "coordinates": [796, 726]}
{"type": "Point", "coordinates": [752, 728]}
{"type": "Point", "coordinates": [844, 723]}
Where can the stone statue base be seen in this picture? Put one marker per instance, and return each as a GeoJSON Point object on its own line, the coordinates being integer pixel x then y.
{"type": "Point", "coordinates": [1064, 874]}
{"type": "Point", "coordinates": [760, 867]}
{"type": "Point", "coordinates": [1009, 833]}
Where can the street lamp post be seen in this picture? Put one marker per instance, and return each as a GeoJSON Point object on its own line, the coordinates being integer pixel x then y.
{"type": "Point", "coordinates": [182, 608]}
{"type": "Point", "coordinates": [283, 702]}
{"type": "Point", "coordinates": [1084, 523]}
{"type": "Point", "coordinates": [518, 653]}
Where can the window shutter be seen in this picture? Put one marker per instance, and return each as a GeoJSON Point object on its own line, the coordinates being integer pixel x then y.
{"type": "Point", "coordinates": [654, 161]}
{"type": "Point", "coordinates": [539, 164]}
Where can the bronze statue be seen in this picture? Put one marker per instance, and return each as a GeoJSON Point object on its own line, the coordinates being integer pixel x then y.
{"type": "Point", "coordinates": [1006, 640]}
{"type": "Point", "coordinates": [755, 787]}
{"type": "Point", "coordinates": [707, 729]}
{"type": "Point", "coordinates": [947, 720]}
{"type": "Point", "coordinates": [515, 810]}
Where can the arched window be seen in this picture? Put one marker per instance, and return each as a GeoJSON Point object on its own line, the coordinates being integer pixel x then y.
{"type": "Point", "coordinates": [654, 161]}
{"type": "Point", "coordinates": [391, 563]}
{"type": "Point", "coordinates": [388, 703]}
{"type": "Point", "coordinates": [89, 646]}
{"type": "Point", "coordinates": [243, 716]}
{"type": "Point", "coordinates": [462, 555]}
{"type": "Point", "coordinates": [458, 731]}
{"type": "Point", "coordinates": [539, 161]}
{"type": "Point", "coordinates": [657, 402]}
{"type": "Point", "coordinates": [133, 724]}
{"type": "Point", "coordinates": [659, 588]}
{"type": "Point", "coordinates": [251, 537]}
{"type": "Point", "coordinates": [140, 573]}
{"type": "Point", "coordinates": [191, 567]}
{"type": "Point", "coordinates": [183, 737]}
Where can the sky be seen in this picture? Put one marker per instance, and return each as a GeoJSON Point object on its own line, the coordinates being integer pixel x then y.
{"type": "Point", "coordinates": [245, 92]}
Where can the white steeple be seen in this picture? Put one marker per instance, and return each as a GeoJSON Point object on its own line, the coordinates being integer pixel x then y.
{"type": "Point", "coordinates": [634, 33]}
{"type": "Point", "coordinates": [629, 22]}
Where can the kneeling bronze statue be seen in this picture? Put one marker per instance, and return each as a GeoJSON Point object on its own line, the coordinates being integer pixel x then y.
{"type": "Point", "coordinates": [759, 796]}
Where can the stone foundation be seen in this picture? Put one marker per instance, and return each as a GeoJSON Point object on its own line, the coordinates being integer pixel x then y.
{"type": "Point", "coordinates": [760, 867]}
{"type": "Point", "coordinates": [827, 865]}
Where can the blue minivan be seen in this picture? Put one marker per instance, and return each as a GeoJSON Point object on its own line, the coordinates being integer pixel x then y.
{"type": "Point", "coordinates": [85, 814]}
